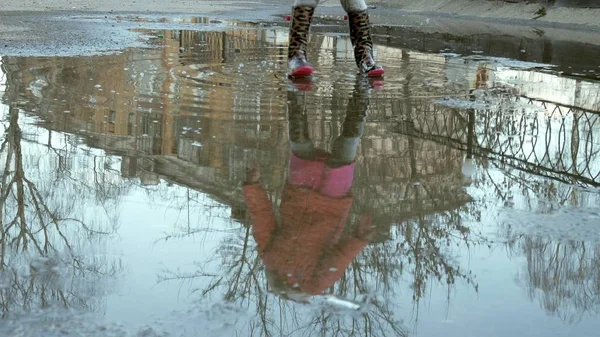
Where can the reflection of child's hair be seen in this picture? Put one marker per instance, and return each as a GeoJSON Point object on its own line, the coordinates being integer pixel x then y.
{"type": "Point", "coordinates": [282, 289]}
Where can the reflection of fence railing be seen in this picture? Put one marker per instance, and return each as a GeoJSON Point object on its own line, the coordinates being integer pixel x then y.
{"type": "Point", "coordinates": [540, 137]}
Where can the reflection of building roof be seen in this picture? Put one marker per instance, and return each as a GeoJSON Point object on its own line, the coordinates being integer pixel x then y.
{"type": "Point", "coordinates": [206, 179]}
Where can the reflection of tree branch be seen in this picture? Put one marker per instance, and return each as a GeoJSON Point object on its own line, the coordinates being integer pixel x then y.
{"type": "Point", "coordinates": [421, 247]}
{"type": "Point", "coordinates": [564, 276]}
{"type": "Point", "coordinates": [28, 220]}
{"type": "Point", "coordinates": [496, 188]}
{"type": "Point", "coordinates": [420, 244]}
{"type": "Point", "coordinates": [424, 252]}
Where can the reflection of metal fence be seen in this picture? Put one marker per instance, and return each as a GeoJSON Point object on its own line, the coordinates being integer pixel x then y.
{"type": "Point", "coordinates": [540, 137]}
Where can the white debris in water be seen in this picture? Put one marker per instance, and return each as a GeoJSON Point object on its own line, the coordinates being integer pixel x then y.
{"type": "Point", "coordinates": [339, 302]}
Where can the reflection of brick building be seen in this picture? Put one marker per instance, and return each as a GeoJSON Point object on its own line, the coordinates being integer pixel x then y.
{"type": "Point", "coordinates": [187, 106]}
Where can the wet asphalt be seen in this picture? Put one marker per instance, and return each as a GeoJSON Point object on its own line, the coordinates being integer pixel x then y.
{"type": "Point", "coordinates": [76, 32]}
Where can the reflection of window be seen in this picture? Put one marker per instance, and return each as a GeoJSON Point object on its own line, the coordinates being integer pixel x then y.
{"type": "Point", "coordinates": [111, 121]}
{"type": "Point", "coordinates": [130, 123]}
{"type": "Point", "coordinates": [63, 164]}
{"type": "Point", "coordinates": [264, 128]}
{"type": "Point", "coordinates": [146, 124]}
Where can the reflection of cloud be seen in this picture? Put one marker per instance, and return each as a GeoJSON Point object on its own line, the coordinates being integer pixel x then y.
{"type": "Point", "coordinates": [561, 225]}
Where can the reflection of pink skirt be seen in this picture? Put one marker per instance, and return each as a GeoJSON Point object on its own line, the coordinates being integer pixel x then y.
{"type": "Point", "coordinates": [330, 182]}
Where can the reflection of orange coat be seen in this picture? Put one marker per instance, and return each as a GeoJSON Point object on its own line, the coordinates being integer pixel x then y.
{"type": "Point", "coordinates": [305, 249]}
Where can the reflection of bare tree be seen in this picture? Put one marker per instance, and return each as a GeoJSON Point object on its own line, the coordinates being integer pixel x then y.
{"type": "Point", "coordinates": [39, 238]}
{"type": "Point", "coordinates": [241, 280]}
{"type": "Point", "coordinates": [552, 153]}
{"type": "Point", "coordinates": [434, 201]}
{"type": "Point", "coordinates": [425, 239]}
{"type": "Point", "coordinates": [419, 247]}
{"type": "Point", "coordinates": [563, 276]}
{"type": "Point", "coordinates": [431, 222]}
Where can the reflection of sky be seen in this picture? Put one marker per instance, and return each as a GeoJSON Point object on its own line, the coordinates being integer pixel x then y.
{"type": "Point", "coordinates": [143, 224]}
{"type": "Point", "coordinates": [148, 214]}
{"type": "Point", "coordinates": [46, 191]}
{"type": "Point", "coordinates": [501, 308]}
{"type": "Point", "coordinates": [145, 216]}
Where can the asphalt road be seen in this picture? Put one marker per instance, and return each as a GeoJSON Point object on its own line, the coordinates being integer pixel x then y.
{"type": "Point", "coordinates": [78, 27]}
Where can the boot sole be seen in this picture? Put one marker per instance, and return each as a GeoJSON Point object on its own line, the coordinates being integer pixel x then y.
{"type": "Point", "coordinates": [304, 71]}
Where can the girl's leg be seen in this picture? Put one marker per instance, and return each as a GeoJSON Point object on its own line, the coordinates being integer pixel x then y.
{"type": "Point", "coordinates": [360, 35]}
{"type": "Point", "coordinates": [302, 13]}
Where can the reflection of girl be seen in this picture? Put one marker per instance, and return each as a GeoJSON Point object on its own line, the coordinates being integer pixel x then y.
{"type": "Point", "coordinates": [305, 252]}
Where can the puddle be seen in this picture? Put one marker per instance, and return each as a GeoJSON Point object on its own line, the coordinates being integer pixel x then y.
{"type": "Point", "coordinates": [459, 196]}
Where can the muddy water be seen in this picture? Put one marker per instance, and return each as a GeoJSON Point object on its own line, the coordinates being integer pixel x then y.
{"type": "Point", "coordinates": [459, 196]}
